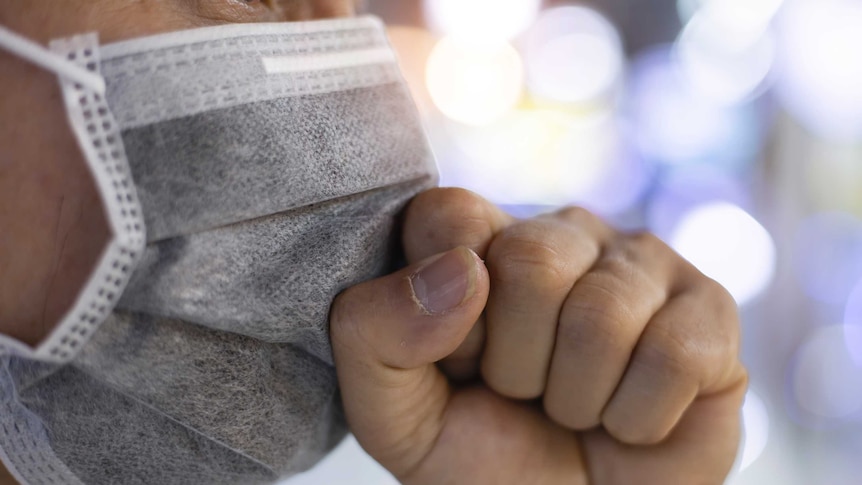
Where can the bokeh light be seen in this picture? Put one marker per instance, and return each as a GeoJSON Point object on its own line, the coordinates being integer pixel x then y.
{"type": "Point", "coordinates": [481, 19]}
{"type": "Point", "coordinates": [679, 191]}
{"type": "Point", "coordinates": [820, 65]}
{"type": "Point", "coordinates": [625, 180]}
{"type": "Point", "coordinates": [573, 55]}
{"type": "Point", "coordinates": [833, 176]}
{"type": "Point", "coordinates": [826, 382]}
{"type": "Point", "coordinates": [827, 256]}
{"type": "Point", "coordinates": [474, 82]}
{"type": "Point", "coordinates": [853, 323]}
{"type": "Point", "coordinates": [755, 421]}
{"type": "Point", "coordinates": [536, 157]}
{"type": "Point", "coordinates": [675, 125]}
{"type": "Point", "coordinates": [727, 244]}
{"type": "Point", "coordinates": [723, 57]}
{"type": "Point", "coordinates": [744, 12]}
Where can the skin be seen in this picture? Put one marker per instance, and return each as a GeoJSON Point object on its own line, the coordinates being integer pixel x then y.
{"type": "Point", "coordinates": [578, 354]}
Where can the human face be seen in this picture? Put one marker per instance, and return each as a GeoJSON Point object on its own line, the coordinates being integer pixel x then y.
{"type": "Point", "coordinates": [52, 227]}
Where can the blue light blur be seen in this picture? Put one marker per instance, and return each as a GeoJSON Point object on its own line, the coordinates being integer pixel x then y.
{"type": "Point", "coordinates": [623, 185]}
{"type": "Point", "coordinates": [680, 190]}
{"type": "Point", "coordinates": [853, 323]}
{"type": "Point", "coordinates": [674, 125]}
{"type": "Point", "coordinates": [827, 256]}
{"type": "Point", "coordinates": [825, 382]}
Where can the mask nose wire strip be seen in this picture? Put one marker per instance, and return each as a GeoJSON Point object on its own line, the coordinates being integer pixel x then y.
{"type": "Point", "coordinates": [35, 53]}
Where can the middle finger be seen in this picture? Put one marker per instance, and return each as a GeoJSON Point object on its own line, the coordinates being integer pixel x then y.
{"type": "Point", "coordinates": [533, 265]}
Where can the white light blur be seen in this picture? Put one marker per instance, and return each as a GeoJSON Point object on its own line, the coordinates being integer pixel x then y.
{"type": "Point", "coordinates": [826, 381]}
{"type": "Point", "coordinates": [573, 54]}
{"type": "Point", "coordinates": [537, 157]}
{"type": "Point", "coordinates": [673, 124]}
{"type": "Point", "coordinates": [728, 245]}
{"type": "Point", "coordinates": [853, 323]}
{"type": "Point", "coordinates": [827, 256]}
{"type": "Point", "coordinates": [755, 420]}
{"type": "Point", "coordinates": [724, 58]}
{"type": "Point", "coordinates": [474, 82]}
{"type": "Point", "coordinates": [481, 19]}
{"type": "Point", "coordinates": [820, 66]}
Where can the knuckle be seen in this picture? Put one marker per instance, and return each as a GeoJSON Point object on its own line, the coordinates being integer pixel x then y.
{"type": "Point", "coordinates": [673, 356]}
{"type": "Point", "coordinates": [634, 434]}
{"type": "Point", "coordinates": [596, 314]}
{"type": "Point", "coordinates": [722, 301]}
{"type": "Point", "coordinates": [500, 380]}
{"type": "Point", "coordinates": [579, 215]}
{"type": "Point", "coordinates": [648, 242]}
{"type": "Point", "coordinates": [449, 218]}
{"type": "Point", "coordinates": [641, 247]}
{"type": "Point", "coordinates": [342, 314]}
{"type": "Point", "coordinates": [626, 267]}
{"type": "Point", "coordinates": [560, 413]}
{"type": "Point", "coordinates": [719, 316]}
{"type": "Point", "coordinates": [523, 255]}
{"type": "Point", "coordinates": [441, 201]}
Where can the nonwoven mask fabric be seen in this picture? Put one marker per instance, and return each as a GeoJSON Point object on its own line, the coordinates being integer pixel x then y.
{"type": "Point", "coordinates": [250, 173]}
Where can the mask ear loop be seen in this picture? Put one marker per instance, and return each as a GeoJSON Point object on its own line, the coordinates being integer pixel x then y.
{"type": "Point", "coordinates": [35, 53]}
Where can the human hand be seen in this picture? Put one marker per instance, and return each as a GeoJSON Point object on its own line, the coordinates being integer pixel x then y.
{"type": "Point", "coordinates": [604, 358]}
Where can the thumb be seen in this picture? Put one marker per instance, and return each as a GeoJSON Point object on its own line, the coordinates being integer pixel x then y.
{"type": "Point", "coordinates": [386, 335]}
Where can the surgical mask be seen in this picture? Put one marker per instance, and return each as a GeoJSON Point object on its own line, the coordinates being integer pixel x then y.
{"type": "Point", "coordinates": [249, 174]}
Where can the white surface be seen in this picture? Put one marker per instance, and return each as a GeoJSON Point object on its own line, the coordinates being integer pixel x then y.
{"type": "Point", "coordinates": [347, 464]}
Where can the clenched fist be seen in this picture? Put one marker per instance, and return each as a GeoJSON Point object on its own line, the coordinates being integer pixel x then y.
{"type": "Point", "coordinates": [574, 354]}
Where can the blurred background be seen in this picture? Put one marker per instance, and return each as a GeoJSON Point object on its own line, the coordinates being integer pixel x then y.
{"type": "Point", "coordinates": [730, 128]}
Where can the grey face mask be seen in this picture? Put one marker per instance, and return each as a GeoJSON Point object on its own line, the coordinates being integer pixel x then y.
{"type": "Point", "coordinates": [249, 173]}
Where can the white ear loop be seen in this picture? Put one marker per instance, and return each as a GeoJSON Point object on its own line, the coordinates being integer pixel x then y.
{"type": "Point", "coordinates": [41, 56]}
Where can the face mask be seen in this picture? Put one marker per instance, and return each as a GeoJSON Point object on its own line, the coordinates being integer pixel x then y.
{"type": "Point", "coordinates": [250, 173]}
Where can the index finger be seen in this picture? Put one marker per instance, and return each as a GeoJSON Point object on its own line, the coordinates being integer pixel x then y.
{"type": "Point", "coordinates": [441, 219]}
{"type": "Point", "coordinates": [445, 218]}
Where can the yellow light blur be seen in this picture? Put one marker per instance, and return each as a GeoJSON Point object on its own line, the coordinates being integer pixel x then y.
{"type": "Point", "coordinates": [538, 157]}
{"type": "Point", "coordinates": [474, 82]}
{"type": "Point", "coordinates": [833, 176]}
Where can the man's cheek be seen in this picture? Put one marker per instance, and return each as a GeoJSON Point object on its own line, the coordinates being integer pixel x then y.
{"type": "Point", "coordinates": [242, 11]}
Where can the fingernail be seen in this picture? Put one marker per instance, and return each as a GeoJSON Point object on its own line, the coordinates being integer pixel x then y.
{"type": "Point", "coordinates": [444, 283]}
